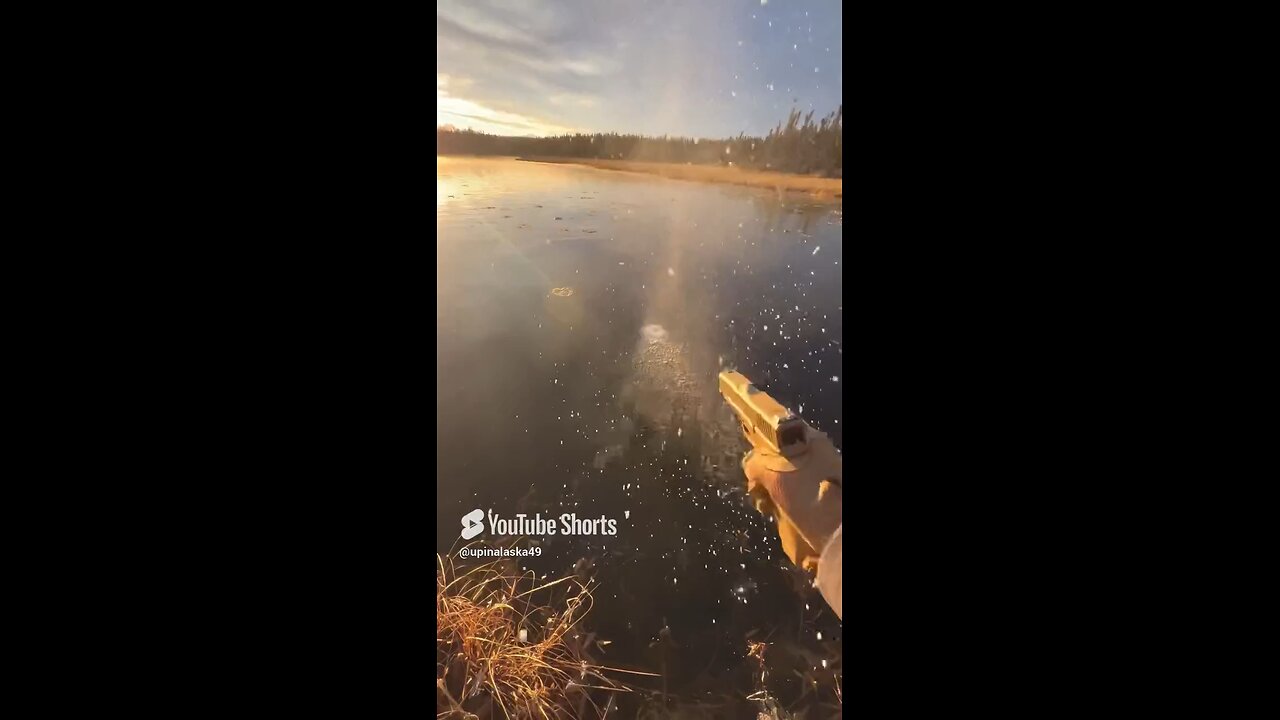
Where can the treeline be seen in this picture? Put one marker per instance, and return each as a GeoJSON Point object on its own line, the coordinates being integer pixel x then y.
{"type": "Point", "coordinates": [798, 146]}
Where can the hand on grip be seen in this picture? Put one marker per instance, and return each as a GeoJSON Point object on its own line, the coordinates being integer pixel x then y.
{"type": "Point", "coordinates": [803, 494]}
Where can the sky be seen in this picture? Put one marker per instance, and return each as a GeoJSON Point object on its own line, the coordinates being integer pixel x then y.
{"type": "Point", "coordinates": [693, 68]}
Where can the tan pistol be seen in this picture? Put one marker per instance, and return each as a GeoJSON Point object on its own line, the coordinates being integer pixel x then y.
{"type": "Point", "coordinates": [773, 429]}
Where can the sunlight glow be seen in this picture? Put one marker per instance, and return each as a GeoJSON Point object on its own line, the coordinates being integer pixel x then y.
{"type": "Point", "coordinates": [463, 114]}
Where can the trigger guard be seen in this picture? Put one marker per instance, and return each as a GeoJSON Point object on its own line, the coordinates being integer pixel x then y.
{"type": "Point", "coordinates": [773, 462]}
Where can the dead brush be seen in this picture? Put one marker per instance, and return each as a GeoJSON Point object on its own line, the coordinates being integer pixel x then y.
{"type": "Point", "coordinates": [505, 646]}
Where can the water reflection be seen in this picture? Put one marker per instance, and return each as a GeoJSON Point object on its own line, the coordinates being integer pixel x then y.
{"type": "Point", "coordinates": [603, 400]}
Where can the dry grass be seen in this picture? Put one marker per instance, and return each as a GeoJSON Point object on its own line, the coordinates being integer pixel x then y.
{"type": "Point", "coordinates": [484, 668]}
{"type": "Point", "coordinates": [817, 186]}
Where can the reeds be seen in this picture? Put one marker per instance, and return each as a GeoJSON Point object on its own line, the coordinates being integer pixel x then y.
{"type": "Point", "coordinates": [506, 646]}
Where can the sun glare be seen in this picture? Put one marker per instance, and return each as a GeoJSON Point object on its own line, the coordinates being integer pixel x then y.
{"type": "Point", "coordinates": [444, 183]}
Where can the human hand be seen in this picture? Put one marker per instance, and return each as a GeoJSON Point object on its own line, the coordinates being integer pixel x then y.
{"type": "Point", "coordinates": [803, 493]}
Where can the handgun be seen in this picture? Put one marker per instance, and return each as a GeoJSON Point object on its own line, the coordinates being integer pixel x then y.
{"type": "Point", "coordinates": [765, 422]}
{"type": "Point", "coordinates": [775, 430]}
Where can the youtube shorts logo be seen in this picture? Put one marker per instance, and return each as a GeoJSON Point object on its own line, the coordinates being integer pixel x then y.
{"type": "Point", "coordinates": [472, 524]}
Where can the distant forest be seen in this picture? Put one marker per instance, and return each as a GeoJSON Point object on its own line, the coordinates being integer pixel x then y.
{"type": "Point", "coordinates": [799, 146]}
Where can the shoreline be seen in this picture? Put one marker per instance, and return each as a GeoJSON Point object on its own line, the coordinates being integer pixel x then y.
{"type": "Point", "coordinates": [768, 179]}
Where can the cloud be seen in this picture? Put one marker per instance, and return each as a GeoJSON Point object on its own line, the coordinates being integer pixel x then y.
{"type": "Point", "coordinates": [464, 113]}
{"type": "Point", "coordinates": [444, 81]}
{"type": "Point", "coordinates": [573, 100]}
{"type": "Point", "coordinates": [663, 66]}
{"type": "Point", "coordinates": [549, 60]}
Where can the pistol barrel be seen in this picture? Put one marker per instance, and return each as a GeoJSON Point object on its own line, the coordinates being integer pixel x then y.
{"type": "Point", "coordinates": [763, 419]}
